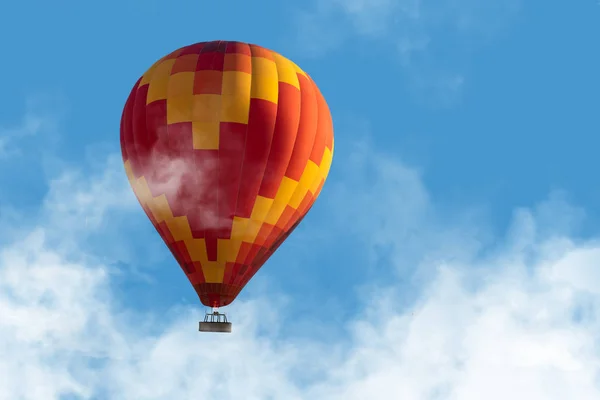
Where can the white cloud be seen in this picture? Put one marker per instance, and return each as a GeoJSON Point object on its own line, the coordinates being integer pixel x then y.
{"type": "Point", "coordinates": [432, 38]}
{"type": "Point", "coordinates": [374, 17]}
{"type": "Point", "coordinates": [402, 215]}
{"type": "Point", "coordinates": [416, 20]}
{"type": "Point", "coordinates": [519, 321]}
{"type": "Point", "coordinates": [79, 202]}
{"type": "Point", "coordinates": [36, 119]}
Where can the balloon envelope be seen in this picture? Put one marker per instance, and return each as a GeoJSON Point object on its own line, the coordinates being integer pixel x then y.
{"type": "Point", "coordinates": [227, 146]}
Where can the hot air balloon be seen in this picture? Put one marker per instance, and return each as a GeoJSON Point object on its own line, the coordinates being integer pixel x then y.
{"type": "Point", "coordinates": [226, 146]}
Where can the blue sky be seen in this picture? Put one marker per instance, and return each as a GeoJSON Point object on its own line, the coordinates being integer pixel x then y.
{"type": "Point", "coordinates": [452, 254]}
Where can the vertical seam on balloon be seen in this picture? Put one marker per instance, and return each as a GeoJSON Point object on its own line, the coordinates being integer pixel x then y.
{"type": "Point", "coordinates": [291, 154]}
{"type": "Point", "coordinates": [203, 167]}
{"type": "Point", "coordinates": [244, 231]}
{"type": "Point", "coordinates": [133, 149]}
{"type": "Point", "coordinates": [122, 129]}
{"type": "Point", "coordinates": [131, 152]}
{"type": "Point", "coordinates": [298, 187]}
{"type": "Point", "coordinates": [136, 153]}
{"type": "Point", "coordinates": [219, 145]}
{"type": "Point", "coordinates": [240, 172]}
{"type": "Point", "coordinates": [129, 126]}
{"type": "Point", "coordinates": [197, 180]}
{"type": "Point", "coordinates": [132, 156]}
{"type": "Point", "coordinates": [271, 145]}
{"type": "Point", "coordinates": [270, 148]}
{"type": "Point", "coordinates": [245, 144]}
{"type": "Point", "coordinates": [169, 148]}
{"type": "Point", "coordinates": [297, 127]}
{"type": "Point", "coordinates": [202, 184]}
{"type": "Point", "coordinates": [317, 94]}
{"type": "Point", "coordinates": [135, 137]}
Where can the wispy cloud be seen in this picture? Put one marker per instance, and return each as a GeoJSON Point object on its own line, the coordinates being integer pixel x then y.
{"type": "Point", "coordinates": [432, 39]}
{"type": "Point", "coordinates": [92, 211]}
{"type": "Point", "coordinates": [402, 216]}
{"type": "Point", "coordinates": [519, 321]}
{"type": "Point", "coordinates": [41, 115]}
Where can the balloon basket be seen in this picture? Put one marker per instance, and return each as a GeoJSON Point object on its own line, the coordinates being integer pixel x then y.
{"type": "Point", "coordinates": [215, 322]}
